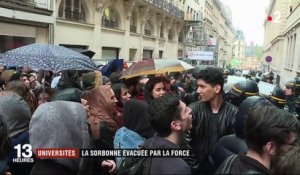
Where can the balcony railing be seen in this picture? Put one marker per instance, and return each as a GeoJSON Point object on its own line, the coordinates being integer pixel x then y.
{"type": "Point", "coordinates": [168, 7]}
{"type": "Point", "coordinates": [161, 35]}
{"type": "Point", "coordinates": [133, 29]}
{"type": "Point", "coordinates": [147, 32]}
{"type": "Point", "coordinates": [22, 2]}
{"type": "Point", "coordinates": [109, 23]}
{"type": "Point", "coordinates": [74, 15]}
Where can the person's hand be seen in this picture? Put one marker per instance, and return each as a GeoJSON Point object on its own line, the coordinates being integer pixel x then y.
{"type": "Point", "coordinates": [110, 165]}
{"type": "Point", "coordinates": [85, 106]}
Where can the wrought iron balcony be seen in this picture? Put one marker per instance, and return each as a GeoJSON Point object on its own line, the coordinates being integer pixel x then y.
{"type": "Point", "coordinates": [133, 29]}
{"type": "Point", "coordinates": [147, 32]}
{"type": "Point", "coordinates": [168, 7]}
{"type": "Point", "coordinates": [22, 2]}
{"type": "Point", "coordinates": [74, 15]}
{"type": "Point", "coordinates": [109, 23]}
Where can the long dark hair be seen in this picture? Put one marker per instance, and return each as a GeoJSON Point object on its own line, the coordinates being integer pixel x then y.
{"type": "Point", "coordinates": [4, 140]}
{"type": "Point", "coordinates": [150, 86]}
{"type": "Point", "coordinates": [117, 88]}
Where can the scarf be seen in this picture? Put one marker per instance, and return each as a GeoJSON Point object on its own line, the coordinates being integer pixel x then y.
{"type": "Point", "coordinates": [101, 109]}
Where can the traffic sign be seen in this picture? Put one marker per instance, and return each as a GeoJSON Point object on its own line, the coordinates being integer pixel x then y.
{"type": "Point", "coordinates": [268, 59]}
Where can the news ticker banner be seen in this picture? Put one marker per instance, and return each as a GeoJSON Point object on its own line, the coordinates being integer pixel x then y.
{"type": "Point", "coordinates": [25, 153]}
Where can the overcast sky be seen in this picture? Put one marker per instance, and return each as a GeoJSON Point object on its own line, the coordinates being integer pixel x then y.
{"type": "Point", "coordinates": [248, 16]}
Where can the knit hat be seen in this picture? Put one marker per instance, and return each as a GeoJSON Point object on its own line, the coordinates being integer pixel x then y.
{"type": "Point", "coordinates": [7, 74]}
{"type": "Point", "coordinates": [91, 79]}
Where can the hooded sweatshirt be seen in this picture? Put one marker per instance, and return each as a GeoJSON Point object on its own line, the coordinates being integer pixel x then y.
{"type": "Point", "coordinates": [60, 124]}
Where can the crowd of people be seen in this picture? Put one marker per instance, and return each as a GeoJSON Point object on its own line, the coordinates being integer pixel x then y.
{"type": "Point", "coordinates": [230, 129]}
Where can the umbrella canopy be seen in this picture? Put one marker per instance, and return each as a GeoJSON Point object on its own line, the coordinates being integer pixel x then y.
{"type": "Point", "coordinates": [47, 57]}
{"type": "Point", "coordinates": [88, 53]}
{"type": "Point", "coordinates": [155, 66]}
{"type": "Point", "coordinates": [112, 66]}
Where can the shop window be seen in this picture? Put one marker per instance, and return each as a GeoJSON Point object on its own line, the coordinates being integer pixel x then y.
{"type": "Point", "coordinates": [11, 42]}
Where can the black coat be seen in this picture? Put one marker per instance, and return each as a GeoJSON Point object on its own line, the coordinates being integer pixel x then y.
{"type": "Point", "coordinates": [208, 127]}
{"type": "Point", "coordinates": [242, 164]}
{"type": "Point", "coordinates": [293, 105]}
{"type": "Point", "coordinates": [227, 146]}
{"type": "Point", "coordinates": [166, 165]}
{"type": "Point", "coordinates": [235, 143]}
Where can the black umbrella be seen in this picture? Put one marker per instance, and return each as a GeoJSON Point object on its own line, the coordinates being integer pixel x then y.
{"type": "Point", "coordinates": [88, 53]}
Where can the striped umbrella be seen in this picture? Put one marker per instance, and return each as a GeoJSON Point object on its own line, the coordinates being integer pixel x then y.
{"type": "Point", "coordinates": [155, 66]}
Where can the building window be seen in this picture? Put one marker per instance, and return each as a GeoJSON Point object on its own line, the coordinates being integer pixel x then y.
{"type": "Point", "coordinates": [147, 54]}
{"type": "Point", "coordinates": [180, 38]}
{"type": "Point", "coordinates": [286, 53]}
{"type": "Point", "coordinates": [290, 52]}
{"type": "Point", "coordinates": [72, 10]}
{"type": "Point", "coordinates": [110, 18]}
{"type": "Point", "coordinates": [77, 48]}
{"type": "Point", "coordinates": [161, 31]}
{"type": "Point", "coordinates": [133, 22]}
{"type": "Point", "coordinates": [132, 54]}
{"type": "Point", "coordinates": [161, 54]}
{"type": "Point", "coordinates": [180, 54]}
{"type": "Point", "coordinates": [110, 53]}
{"type": "Point", "coordinates": [148, 28]}
{"type": "Point", "coordinates": [170, 35]}
{"type": "Point", "coordinates": [293, 51]}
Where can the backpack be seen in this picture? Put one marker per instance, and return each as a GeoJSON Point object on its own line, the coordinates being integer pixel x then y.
{"type": "Point", "coordinates": [126, 139]}
{"type": "Point", "coordinates": [135, 165]}
{"type": "Point", "coordinates": [226, 165]}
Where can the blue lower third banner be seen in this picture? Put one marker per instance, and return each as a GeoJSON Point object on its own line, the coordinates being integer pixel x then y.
{"type": "Point", "coordinates": [135, 153]}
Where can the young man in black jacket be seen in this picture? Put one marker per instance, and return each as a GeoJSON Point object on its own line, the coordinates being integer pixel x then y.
{"type": "Point", "coordinates": [269, 132]}
{"type": "Point", "coordinates": [213, 118]}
